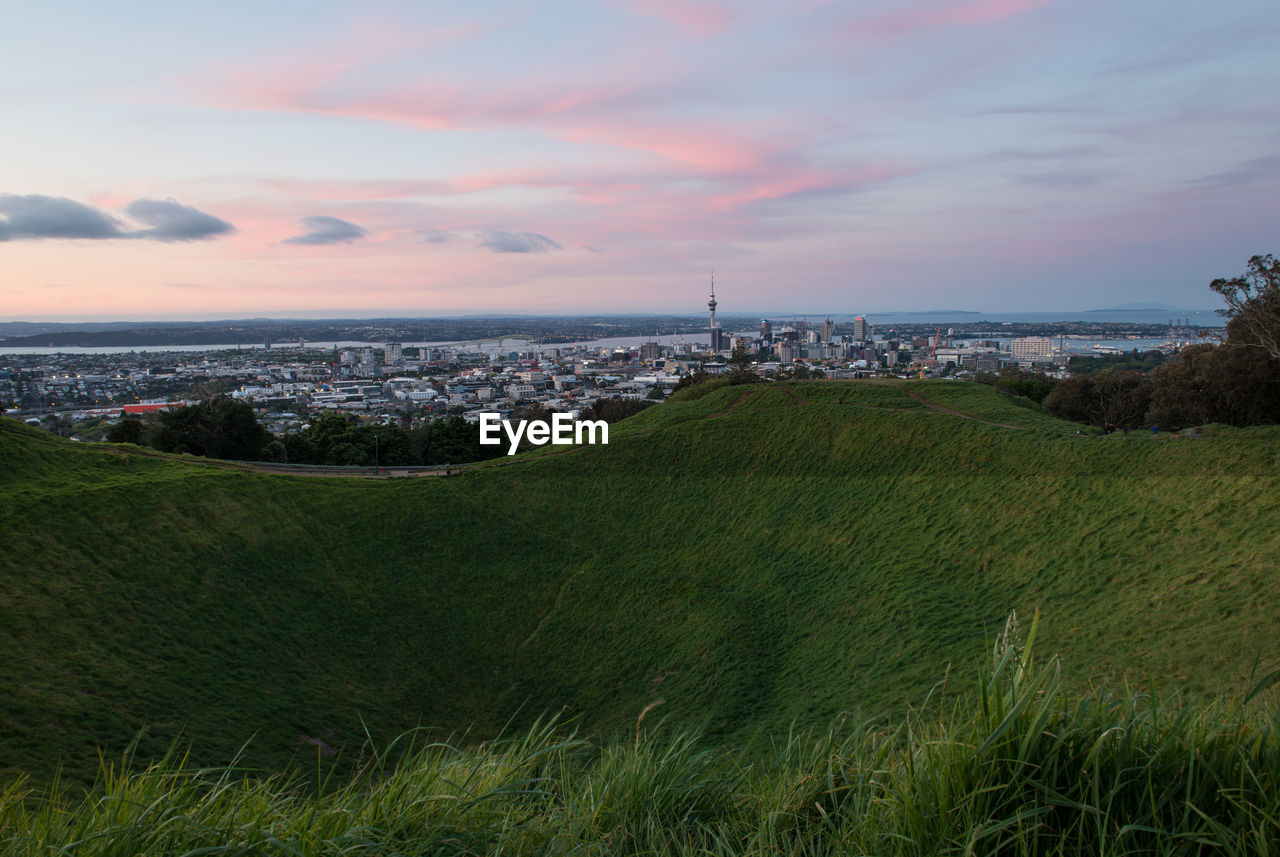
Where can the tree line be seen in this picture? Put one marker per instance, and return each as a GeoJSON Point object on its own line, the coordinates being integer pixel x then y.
{"type": "Point", "coordinates": [1235, 383]}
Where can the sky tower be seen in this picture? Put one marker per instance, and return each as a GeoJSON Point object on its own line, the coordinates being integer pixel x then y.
{"type": "Point", "coordinates": [717, 339]}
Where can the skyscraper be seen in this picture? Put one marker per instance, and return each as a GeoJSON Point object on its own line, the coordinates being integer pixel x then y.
{"type": "Point", "coordinates": [717, 336]}
{"type": "Point", "coordinates": [861, 333]}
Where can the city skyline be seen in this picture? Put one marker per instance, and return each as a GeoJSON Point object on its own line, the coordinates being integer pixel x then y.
{"type": "Point", "coordinates": [407, 159]}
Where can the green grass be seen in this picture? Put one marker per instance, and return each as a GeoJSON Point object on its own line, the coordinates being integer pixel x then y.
{"type": "Point", "coordinates": [980, 403]}
{"type": "Point", "coordinates": [1011, 765]}
{"type": "Point", "coordinates": [752, 563]}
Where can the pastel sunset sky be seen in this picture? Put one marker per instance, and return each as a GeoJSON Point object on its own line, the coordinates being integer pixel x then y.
{"type": "Point", "coordinates": [310, 159]}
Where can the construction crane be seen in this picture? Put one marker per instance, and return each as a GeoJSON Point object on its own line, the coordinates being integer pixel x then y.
{"type": "Point", "coordinates": [933, 351]}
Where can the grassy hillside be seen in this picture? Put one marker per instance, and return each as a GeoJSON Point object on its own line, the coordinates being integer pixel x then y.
{"type": "Point", "coordinates": [750, 558]}
{"type": "Point", "coordinates": [1016, 767]}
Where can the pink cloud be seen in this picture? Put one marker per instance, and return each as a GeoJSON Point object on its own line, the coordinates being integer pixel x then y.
{"type": "Point", "coordinates": [934, 15]}
{"type": "Point", "coordinates": [617, 110]}
{"type": "Point", "coordinates": [594, 208]}
{"type": "Point", "coordinates": [581, 116]}
{"type": "Point", "coordinates": [767, 187]}
{"type": "Point", "coordinates": [301, 76]}
{"type": "Point", "coordinates": [703, 18]}
{"type": "Point", "coordinates": [356, 189]}
{"type": "Point", "coordinates": [595, 188]}
{"type": "Point", "coordinates": [306, 85]}
{"type": "Point", "coordinates": [681, 178]}
{"type": "Point", "coordinates": [715, 148]}
{"type": "Point", "coordinates": [752, 158]}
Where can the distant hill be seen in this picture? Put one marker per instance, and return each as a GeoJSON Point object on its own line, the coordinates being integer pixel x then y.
{"type": "Point", "coordinates": [752, 558]}
{"type": "Point", "coordinates": [257, 331]}
{"type": "Point", "coordinates": [940, 312]}
{"type": "Point", "coordinates": [1141, 306]}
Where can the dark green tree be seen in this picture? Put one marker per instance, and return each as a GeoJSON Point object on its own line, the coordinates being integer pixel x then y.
{"type": "Point", "coordinates": [1030, 385]}
{"type": "Point", "coordinates": [326, 430]}
{"type": "Point", "coordinates": [614, 409]}
{"type": "Point", "coordinates": [1238, 382]}
{"type": "Point", "coordinates": [740, 363]}
{"type": "Point", "coordinates": [180, 430]}
{"type": "Point", "coordinates": [1072, 399]}
{"type": "Point", "coordinates": [1253, 305]}
{"type": "Point", "coordinates": [127, 430]}
{"type": "Point", "coordinates": [233, 431]}
{"type": "Point", "coordinates": [1121, 398]}
{"type": "Point", "coordinates": [1108, 398]}
{"type": "Point", "coordinates": [692, 379]}
{"type": "Point", "coordinates": [299, 449]}
{"type": "Point", "coordinates": [392, 447]}
{"type": "Point", "coordinates": [349, 451]}
{"type": "Point", "coordinates": [220, 427]}
{"type": "Point", "coordinates": [453, 440]}
{"type": "Point", "coordinates": [1230, 384]}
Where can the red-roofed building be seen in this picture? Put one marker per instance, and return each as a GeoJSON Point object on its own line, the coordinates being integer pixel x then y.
{"type": "Point", "coordinates": [151, 408]}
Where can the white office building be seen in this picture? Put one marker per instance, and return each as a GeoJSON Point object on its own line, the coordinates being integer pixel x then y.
{"type": "Point", "coordinates": [1028, 348]}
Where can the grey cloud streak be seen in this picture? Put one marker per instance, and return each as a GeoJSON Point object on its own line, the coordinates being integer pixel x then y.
{"type": "Point", "coordinates": [322, 229]}
{"type": "Point", "coordinates": [517, 242]}
{"type": "Point", "coordinates": [171, 221]}
{"type": "Point", "coordinates": [38, 217]}
{"type": "Point", "coordinates": [434, 236]}
{"type": "Point", "coordinates": [1250, 171]}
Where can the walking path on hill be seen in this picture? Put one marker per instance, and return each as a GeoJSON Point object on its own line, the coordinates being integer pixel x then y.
{"type": "Point", "coordinates": [733, 404]}
{"type": "Point", "coordinates": [928, 404]}
{"type": "Point", "coordinates": [939, 408]}
{"type": "Point", "coordinates": [793, 395]}
{"type": "Point", "coordinates": [277, 468]}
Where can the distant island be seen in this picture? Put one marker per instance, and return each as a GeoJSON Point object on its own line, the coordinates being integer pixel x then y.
{"type": "Point", "coordinates": [1143, 307]}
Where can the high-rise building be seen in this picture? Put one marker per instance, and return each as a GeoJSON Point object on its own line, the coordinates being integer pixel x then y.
{"type": "Point", "coordinates": [861, 330]}
{"type": "Point", "coordinates": [788, 352]}
{"type": "Point", "coordinates": [766, 332]}
{"type": "Point", "coordinates": [717, 335]}
{"type": "Point", "coordinates": [1031, 347]}
{"type": "Point", "coordinates": [826, 330]}
{"type": "Point", "coordinates": [392, 353]}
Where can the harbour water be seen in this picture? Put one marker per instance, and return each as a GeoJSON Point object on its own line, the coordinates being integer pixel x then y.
{"type": "Point", "coordinates": [1201, 318]}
